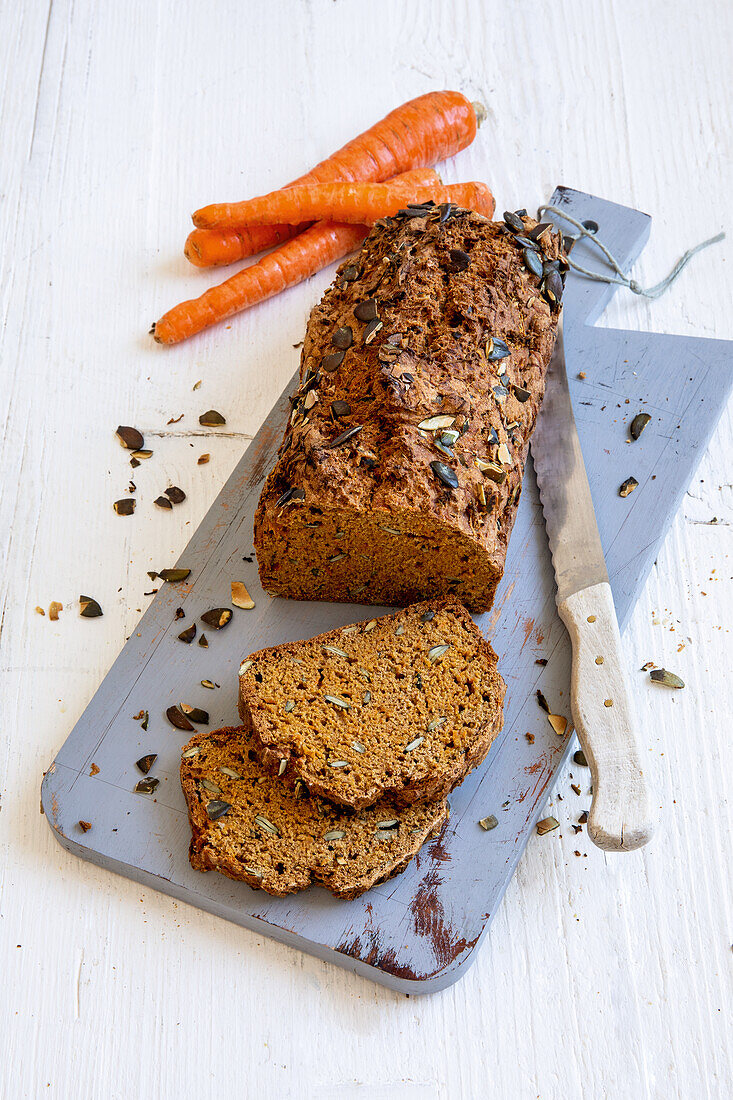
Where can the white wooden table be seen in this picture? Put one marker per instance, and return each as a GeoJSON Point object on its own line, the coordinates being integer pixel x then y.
{"type": "Point", "coordinates": [602, 976]}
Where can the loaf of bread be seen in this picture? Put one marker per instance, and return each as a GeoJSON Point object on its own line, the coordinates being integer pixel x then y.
{"type": "Point", "coordinates": [402, 706]}
{"type": "Point", "coordinates": [422, 373]}
{"type": "Point", "coordinates": [250, 827]}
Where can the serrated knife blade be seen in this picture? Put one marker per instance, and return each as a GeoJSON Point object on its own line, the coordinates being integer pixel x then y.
{"type": "Point", "coordinates": [570, 519]}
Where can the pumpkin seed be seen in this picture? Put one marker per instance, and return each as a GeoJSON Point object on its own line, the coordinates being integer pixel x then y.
{"type": "Point", "coordinates": [415, 744]}
{"type": "Point", "coordinates": [171, 576]}
{"type": "Point", "coordinates": [230, 772]}
{"type": "Point", "coordinates": [163, 502]}
{"type": "Point", "coordinates": [579, 758]}
{"type": "Point", "coordinates": [188, 634]}
{"type": "Point", "coordinates": [175, 495]}
{"type": "Point", "coordinates": [343, 337]}
{"type": "Point", "coordinates": [539, 231]}
{"type": "Point", "coordinates": [370, 626]}
{"type": "Point", "coordinates": [503, 455]}
{"type": "Point", "coordinates": [146, 786]}
{"type": "Point", "coordinates": [351, 273]}
{"type": "Point", "coordinates": [574, 787]}
{"type": "Point", "coordinates": [637, 425]}
{"type": "Point", "coordinates": [435, 723]}
{"type": "Point", "coordinates": [344, 437]}
{"type": "Point", "coordinates": [145, 763]}
{"type": "Point", "coordinates": [627, 486]}
{"type": "Point", "coordinates": [542, 701]}
{"type": "Point", "coordinates": [553, 286]}
{"type": "Point", "coordinates": [389, 530]}
{"type": "Point", "coordinates": [669, 679]}
{"type": "Point", "coordinates": [400, 630]}
{"type": "Point", "coordinates": [532, 261]}
{"type": "Point", "coordinates": [444, 474]}
{"type": "Point", "coordinates": [427, 616]}
{"type": "Point", "coordinates": [217, 618]}
{"type": "Point", "coordinates": [367, 698]}
{"type": "Point", "coordinates": [125, 507]}
{"type": "Point", "coordinates": [371, 330]}
{"type": "Point", "coordinates": [310, 400]}
{"type": "Point", "coordinates": [282, 766]}
{"type": "Point", "coordinates": [212, 419]}
{"type": "Point", "coordinates": [179, 720]}
{"type": "Point", "coordinates": [340, 408]}
{"type": "Point", "coordinates": [253, 872]}
{"type": "Point", "coordinates": [289, 706]}
{"type": "Point", "coordinates": [332, 362]}
{"type": "Point", "coordinates": [241, 597]}
{"type": "Point", "coordinates": [435, 423]}
{"type": "Point", "coordinates": [366, 311]}
{"type": "Point", "coordinates": [141, 454]}
{"type": "Point", "coordinates": [334, 834]}
{"type": "Point", "coordinates": [459, 261]}
{"type": "Point", "coordinates": [210, 786]}
{"type": "Point", "coordinates": [357, 746]}
{"type": "Point", "coordinates": [338, 763]}
{"type": "Point", "coordinates": [216, 809]}
{"type": "Point", "coordinates": [385, 834]}
{"type": "Point", "coordinates": [521, 394]}
{"type": "Point", "coordinates": [190, 752]}
{"type": "Point", "coordinates": [337, 557]}
{"type": "Point", "coordinates": [496, 349]}
{"type": "Point", "coordinates": [130, 438]}
{"type": "Point", "coordinates": [266, 824]}
{"type": "Point", "coordinates": [547, 825]}
{"type": "Point", "coordinates": [244, 666]}
{"type": "Point", "coordinates": [514, 222]}
{"type": "Point", "coordinates": [488, 823]}
{"type": "Point", "coordinates": [89, 608]}
{"type": "Point", "coordinates": [446, 211]}
{"type": "Point", "coordinates": [290, 494]}
{"type": "Point", "coordinates": [390, 823]}
{"type": "Point", "coordinates": [337, 701]}
{"type": "Point", "coordinates": [437, 652]}
{"type": "Point", "coordinates": [495, 472]}
{"type": "Point", "coordinates": [333, 649]}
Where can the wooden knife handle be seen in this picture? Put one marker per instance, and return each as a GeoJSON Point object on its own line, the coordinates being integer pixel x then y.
{"type": "Point", "coordinates": [621, 817]}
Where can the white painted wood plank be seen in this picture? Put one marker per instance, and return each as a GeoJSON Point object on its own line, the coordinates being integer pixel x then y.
{"type": "Point", "coordinates": [602, 976]}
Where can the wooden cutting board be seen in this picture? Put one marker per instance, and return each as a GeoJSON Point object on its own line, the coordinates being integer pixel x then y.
{"type": "Point", "coordinates": [418, 932]}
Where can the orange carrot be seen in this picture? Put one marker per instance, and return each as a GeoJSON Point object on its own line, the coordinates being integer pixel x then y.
{"type": "Point", "coordinates": [416, 135]}
{"type": "Point", "coordinates": [286, 266]}
{"type": "Point", "coordinates": [358, 203]}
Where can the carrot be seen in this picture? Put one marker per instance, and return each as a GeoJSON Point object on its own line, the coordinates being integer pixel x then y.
{"type": "Point", "coordinates": [358, 203]}
{"type": "Point", "coordinates": [286, 266]}
{"type": "Point", "coordinates": [416, 135]}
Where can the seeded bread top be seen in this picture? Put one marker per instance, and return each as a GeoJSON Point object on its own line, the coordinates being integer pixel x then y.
{"type": "Point", "coordinates": [250, 827]}
{"type": "Point", "coordinates": [422, 372]}
{"type": "Point", "coordinates": [405, 705]}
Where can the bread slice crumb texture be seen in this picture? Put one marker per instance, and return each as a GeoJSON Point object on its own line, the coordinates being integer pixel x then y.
{"type": "Point", "coordinates": [404, 705]}
{"type": "Point", "coordinates": [251, 827]}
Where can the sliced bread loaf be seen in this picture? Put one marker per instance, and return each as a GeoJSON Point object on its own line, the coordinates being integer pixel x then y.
{"type": "Point", "coordinates": [250, 827]}
{"type": "Point", "coordinates": [404, 705]}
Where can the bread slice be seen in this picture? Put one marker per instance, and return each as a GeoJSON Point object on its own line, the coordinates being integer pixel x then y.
{"type": "Point", "coordinates": [250, 827]}
{"type": "Point", "coordinates": [404, 705]}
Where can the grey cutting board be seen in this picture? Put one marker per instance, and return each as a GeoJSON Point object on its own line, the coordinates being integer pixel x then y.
{"type": "Point", "coordinates": [418, 932]}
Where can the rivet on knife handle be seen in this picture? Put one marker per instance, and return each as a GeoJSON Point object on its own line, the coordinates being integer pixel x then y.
{"type": "Point", "coordinates": [621, 818]}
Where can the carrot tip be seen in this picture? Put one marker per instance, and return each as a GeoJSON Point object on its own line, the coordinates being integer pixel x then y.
{"type": "Point", "coordinates": [480, 111]}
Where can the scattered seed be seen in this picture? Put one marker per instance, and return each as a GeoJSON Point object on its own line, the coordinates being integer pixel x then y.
{"type": "Point", "coordinates": [637, 425]}
{"type": "Point", "coordinates": [334, 834]}
{"type": "Point", "coordinates": [85, 826]}
{"type": "Point", "coordinates": [547, 825]}
{"type": "Point", "coordinates": [146, 786]}
{"type": "Point", "coordinates": [542, 701]}
{"type": "Point", "coordinates": [130, 438]}
{"type": "Point", "coordinates": [141, 455]}
{"type": "Point", "coordinates": [174, 575]}
{"type": "Point", "coordinates": [208, 684]}
{"type": "Point", "coordinates": [488, 823]}
{"type": "Point", "coordinates": [125, 507]}
{"type": "Point", "coordinates": [216, 809]}
{"type": "Point", "coordinates": [217, 618]}
{"type": "Point", "coordinates": [583, 819]}
{"type": "Point", "coordinates": [669, 679]}
{"type": "Point", "coordinates": [146, 719]}
{"type": "Point", "coordinates": [54, 608]}
{"type": "Point", "coordinates": [163, 502]}
{"type": "Point", "coordinates": [558, 723]}
{"type": "Point", "coordinates": [241, 597]}
{"type": "Point", "coordinates": [608, 702]}
{"type": "Point", "coordinates": [145, 763]}
{"type": "Point", "coordinates": [195, 714]}
{"type": "Point", "coordinates": [627, 486]}
{"type": "Point", "coordinates": [366, 311]}
{"type": "Point", "coordinates": [202, 459]}
{"type": "Point", "coordinates": [179, 720]}
{"type": "Point", "coordinates": [204, 642]}
{"type": "Point", "coordinates": [579, 758]}
{"type": "Point", "coordinates": [337, 701]}
{"type": "Point", "coordinates": [415, 744]}
{"type": "Point", "coordinates": [188, 634]}
{"type": "Point", "coordinates": [175, 495]}
{"type": "Point", "coordinates": [89, 608]}
{"type": "Point", "coordinates": [212, 419]}
{"type": "Point", "coordinates": [575, 787]}
{"type": "Point", "coordinates": [437, 652]}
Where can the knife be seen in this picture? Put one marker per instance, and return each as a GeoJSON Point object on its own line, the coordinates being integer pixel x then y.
{"type": "Point", "coordinates": [620, 818]}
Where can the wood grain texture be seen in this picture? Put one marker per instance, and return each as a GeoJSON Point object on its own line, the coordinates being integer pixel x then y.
{"type": "Point", "coordinates": [602, 977]}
